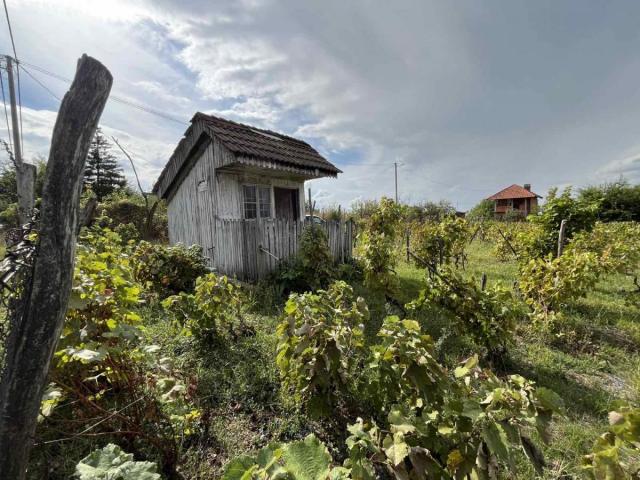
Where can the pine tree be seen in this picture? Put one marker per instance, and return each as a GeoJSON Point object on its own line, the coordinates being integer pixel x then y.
{"type": "Point", "coordinates": [102, 173]}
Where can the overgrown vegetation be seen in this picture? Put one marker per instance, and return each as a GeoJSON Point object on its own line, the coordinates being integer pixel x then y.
{"type": "Point", "coordinates": [180, 367]}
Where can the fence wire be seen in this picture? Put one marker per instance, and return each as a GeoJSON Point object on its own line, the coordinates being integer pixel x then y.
{"type": "Point", "coordinates": [15, 276]}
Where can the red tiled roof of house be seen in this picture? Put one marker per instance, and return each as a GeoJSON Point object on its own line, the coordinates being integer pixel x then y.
{"type": "Point", "coordinates": [514, 191]}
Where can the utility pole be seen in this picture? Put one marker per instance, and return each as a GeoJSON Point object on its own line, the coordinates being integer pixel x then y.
{"type": "Point", "coordinates": [25, 172]}
{"type": "Point", "coordinates": [395, 165]}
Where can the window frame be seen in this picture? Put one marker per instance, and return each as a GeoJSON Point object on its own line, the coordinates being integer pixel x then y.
{"type": "Point", "coordinates": [258, 200]}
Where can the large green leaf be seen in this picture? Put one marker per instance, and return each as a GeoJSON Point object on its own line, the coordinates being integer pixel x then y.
{"type": "Point", "coordinates": [308, 459]}
{"type": "Point", "coordinates": [111, 463]}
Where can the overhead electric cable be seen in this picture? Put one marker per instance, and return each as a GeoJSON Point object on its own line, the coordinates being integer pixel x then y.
{"type": "Point", "coordinates": [6, 114]}
{"type": "Point", "coordinates": [40, 83]}
{"type": "Point", "coordinates": [115, 98]}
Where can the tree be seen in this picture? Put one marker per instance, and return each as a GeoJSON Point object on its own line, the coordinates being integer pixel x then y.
{"type": "Point", "coordinates": [102, 173]}
{"type": "Point", "coordinates": [617, 202]}
{"type": "Point", "coordinates": [482, 211]}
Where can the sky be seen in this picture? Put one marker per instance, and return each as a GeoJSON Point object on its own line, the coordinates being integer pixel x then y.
{"type": "Point", "coordinates": [467, 97]}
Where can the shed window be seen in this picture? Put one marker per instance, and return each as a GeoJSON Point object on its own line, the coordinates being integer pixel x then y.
{"type": "Point", "coordinates": [257, 200]}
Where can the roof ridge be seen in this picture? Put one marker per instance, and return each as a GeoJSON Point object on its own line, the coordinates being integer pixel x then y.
{"type": "Point", "coordinates": [250, 127]}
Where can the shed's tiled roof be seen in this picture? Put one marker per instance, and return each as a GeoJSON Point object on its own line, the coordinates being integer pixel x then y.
{"type": "Point", "coordinates": [255, 142]}
{"type": "Point", "coordinates": [513, 191]}
{"type": "Point", "coordinates": [250, 146]}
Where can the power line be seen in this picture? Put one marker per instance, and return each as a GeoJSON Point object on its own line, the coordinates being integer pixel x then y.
{"type": "Point", "coordinates": [115, 98]}
{"type": "Point", "coordinates": [6, 114]}
{"type": "Point", "coordinates": [6, 14]}
{"type": "Point", "coordinates": [40, 83]}
{"type": "Point", "coordinates": [15, 56]}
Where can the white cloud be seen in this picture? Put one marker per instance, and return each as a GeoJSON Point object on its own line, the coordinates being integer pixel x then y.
{"type": "Point", "coordinates": [470, 97]}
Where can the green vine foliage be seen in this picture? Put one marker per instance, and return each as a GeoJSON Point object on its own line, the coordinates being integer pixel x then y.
{"type": "Point", "coordinates": [168, 270]}
{"type": "Point", "coordinates": [489, 316]}
{"type": "Point", "coordinates": [377, 248]}
{"type": "Point", "coordinates": [478, 430]}
{"type": "Point", "coordinates": [441, 243]}
{"type": "Point", "coordinates": [312, 267]}
{"type": "Point", "coordinates": [617, 246]}
{"type": "Point", "coordinates": [320, 345]}
{"type": "Point", "coordinates": [213, 309]}
{"type": "Point", "coordinates": [522, 240]}
{"type": "Point", "coordinates": [430, 423]}
{"type": "Point", "coordinates": [616, 453]}
{"type": "Point", "coordinates": [103, 362]}
{"type": "Point", "coordinates": [580, 216]}
{"type": "Point", "coordinates": [547, 284]}
{"type": "Point", "coordinates": [402, 368]}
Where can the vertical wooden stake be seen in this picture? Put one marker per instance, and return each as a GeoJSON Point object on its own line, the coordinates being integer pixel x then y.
{"type": "Point", "coordinates": [483, 281]}
{"type": "Point", "coordinates": [33, 337]}
{"type": "Point", "coordinates": [561, 237]}
{"type": "Point", "coordinates": [407, 241]}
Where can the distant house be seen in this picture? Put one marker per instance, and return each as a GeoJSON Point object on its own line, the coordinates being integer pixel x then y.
{"type": "Point", "coordinates": [238, 191]}
{"type": "Point", "coordinates": [515, 198]}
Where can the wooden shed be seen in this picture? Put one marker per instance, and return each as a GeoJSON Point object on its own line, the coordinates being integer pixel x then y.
{"type": "Point", "coordinates": [238, 191]}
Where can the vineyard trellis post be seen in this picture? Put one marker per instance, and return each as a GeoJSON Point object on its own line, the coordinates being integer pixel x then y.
{"type": "Point", "coordinates": [561, 237]}
{"type": "Point", "coordinates": [34, 331]}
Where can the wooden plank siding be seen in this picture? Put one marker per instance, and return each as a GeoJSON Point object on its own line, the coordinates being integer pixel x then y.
{"type": "Point", "coordinates": [251, 249]}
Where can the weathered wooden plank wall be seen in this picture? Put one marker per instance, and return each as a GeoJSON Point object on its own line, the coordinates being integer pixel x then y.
{"type": "Point", "coordinates": [250, 249]}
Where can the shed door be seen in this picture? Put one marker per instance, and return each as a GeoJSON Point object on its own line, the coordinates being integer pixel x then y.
{"type": "Point", "coordinates": [206, 219]}
{"type": "Point", "coordinates": [286, 203]}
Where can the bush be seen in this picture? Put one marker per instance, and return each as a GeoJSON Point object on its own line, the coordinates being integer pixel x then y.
{"type": "Point", "coordinates": [617, 202]}
{"type": "Point", "coordinates": [124, 207]}
{"type": "Point", "coordinates": [489, 316]}
{"type": "Point", "coordinates": [211, 310]}
{"type": "Point", "coordinates": [441, 243]}
{"type": "Point", "coordinates": [319, 346]}
{"type": "Point", "coordinates": [485, 210]}
{"type": "Point", "coordinates": [616, 454]}
{"type": "Point", "coordinates": [103, 363]}
{"type": "Point", "coordinates": [547, 284]}
{"type": "Point", "coordinates": [377, 247]}
{"type": "Point", "coordinates": [617, 246]}
{"type": "Point", "coordinates": [580, 216]}
{"type": "Point", "coordinates": [168, 270]}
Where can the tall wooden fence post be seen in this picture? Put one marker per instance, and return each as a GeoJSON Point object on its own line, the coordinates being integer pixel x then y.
{"type": "Point", "coordinates": [561, 237]}
{"type": "Point", "coordinates": [33, 337]}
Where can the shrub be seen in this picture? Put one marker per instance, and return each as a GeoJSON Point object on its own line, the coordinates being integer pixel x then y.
{"type": "Point", "coordinates": [319, 346]}
{"type": "Point", "coordinates": [489, 316]}
{"type": "Point", "coordinates": [522, 240]}
{"type": "Point", "coordinates": [312, 268]}
{"type": "Point", "coordinates": [547, 284]}
{"type": "Point", "coordinates": [211, 310]}
{"type": "Point", "coordinates": [616, 453]}
{"type": "Point", "coordinates": [580, 215]}
{"type": "Point", "coordinates": [168, 269]}
{"type": "Point", "coordinates": [485, 210]}
{"type": "Point", "coordinates": [403, 367]}
{"type": "Point", "coordinates": [441, 243]}
{"type": "Point", "coordinates": [617, 246]}
{"type": "Point", "coordinates": [377, 249]}
{"type": "Point", "coordinates": [434, 424]}
{"type": "Point", "coordinates": [479, 428]}
{"type": "Point", "coordinates": [103, 363]}
{"type": "Point", "coordinates": [125, 207]}
{"type": "Point", "coordinates": [617, 201]}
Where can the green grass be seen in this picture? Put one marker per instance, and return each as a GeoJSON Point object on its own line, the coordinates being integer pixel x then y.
{"type": "Point", "coordinates": [591, 365]}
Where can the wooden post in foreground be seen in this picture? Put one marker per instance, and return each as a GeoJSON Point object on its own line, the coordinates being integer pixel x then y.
{"type": "Point", "coordinates": [561, 237]}
{"type": "Point", "coordinates": [33, 338]}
